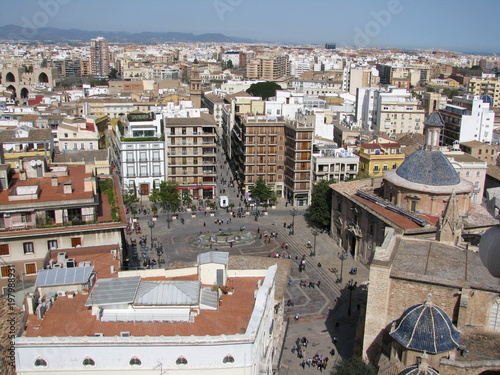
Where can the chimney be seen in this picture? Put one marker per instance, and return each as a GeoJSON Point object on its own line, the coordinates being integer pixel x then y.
{"type": "Point", "coordinates": [54, 181]}
{"type": "Point", "coordinates": [68, 187]}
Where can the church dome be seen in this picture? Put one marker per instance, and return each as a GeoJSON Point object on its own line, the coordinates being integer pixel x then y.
{"type": "Point", "coordinates": [489, 251]}
{"type": "Point", "coordinates": [428, 168]}
{"type": "Point", "coordinates": [425, 328]}
{"type": "Point", "coordinates": [422, 369]}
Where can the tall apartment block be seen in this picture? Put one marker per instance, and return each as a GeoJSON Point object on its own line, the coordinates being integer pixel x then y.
{"type": "Point", "coordinates": [490, 87]}
{"type": "Point", "coordinates": [269, 67]}
{"type": "Point", "coordinates": [191, 154]}
{"type": "Point", "coordinates": [99, 57]}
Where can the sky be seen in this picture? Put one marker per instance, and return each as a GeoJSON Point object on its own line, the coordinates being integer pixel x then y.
{"type": "Point", "coordinates": [458, 25]}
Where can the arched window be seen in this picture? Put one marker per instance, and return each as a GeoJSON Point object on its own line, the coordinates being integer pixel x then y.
{"type": "Point", "coordinates": [135, 362]}
{"type": "Point", "coordinates": [40, 362]}
{"type": "Point", "coordinates": [495, 316]}
{"type": "Point", "coordinates": [181, 361]}
{"type": "Point", "coordinates": [228, 359]}
{"type": "Point", "coordinates": [88, 362]}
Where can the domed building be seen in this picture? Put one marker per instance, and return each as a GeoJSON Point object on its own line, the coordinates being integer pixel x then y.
{"type": "Point", "coordinates": [426, 179]}
{"type": "Point", "coordinates": [424, 328]}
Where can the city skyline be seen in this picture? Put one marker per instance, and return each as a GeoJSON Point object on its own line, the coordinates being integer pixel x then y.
{"type": "Point", "coordinates": [358, 23]}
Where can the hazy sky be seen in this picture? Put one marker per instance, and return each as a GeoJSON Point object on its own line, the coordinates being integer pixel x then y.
{"type": "Point", "coordinates": [449, 24]}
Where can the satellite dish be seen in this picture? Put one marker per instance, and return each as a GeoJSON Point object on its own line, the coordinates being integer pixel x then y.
{"type": "Point", "coordinates": [38, 162]}
{"type": "Point", "coordinates": [32, 163]}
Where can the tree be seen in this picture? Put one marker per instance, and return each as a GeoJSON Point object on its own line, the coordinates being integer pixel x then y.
{"type": "Point", "coordinates": [264, 89]}
{"type": "Point", "coordinates": [166, 195]}
{"type": "Point", "coordinates": [353, 366]}
{"type": "Point", "coordinates": [321, 203]}
{"type": "Point", "coordinates": [450, 93]}
{"type": "Point", "coordinates": [113, 73]}
{"type": "Point", "coordinates": [261, 191]}
{"type": "Point", "coordinates": [130, 198]}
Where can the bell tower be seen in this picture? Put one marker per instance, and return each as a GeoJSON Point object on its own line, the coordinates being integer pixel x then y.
{"type": "Point", "coordinates": [195, 86]}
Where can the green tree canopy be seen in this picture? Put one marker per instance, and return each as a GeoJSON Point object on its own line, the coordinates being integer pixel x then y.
{"type": "Point", "coordinates": [353, 366]}
{"type": "Point", "coordinates": [129, 197]}
{"type": "Point", "coordinates": [264, 89]}
{"type": "Point", "coordinates": [321, 203]}
{"type": "Point", "coordinates": [166, 195]}
{"type": "Point", "coordinates": [450, 93]}
{"type": "Point", "coordinates": [261, 191]}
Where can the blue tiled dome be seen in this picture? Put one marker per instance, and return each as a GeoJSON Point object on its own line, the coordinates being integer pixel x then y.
{"type": "Point", "coordinates": [428, 168]}
{"type": "Point", "coordinates": [423, 369]}
{"type": "Point", "coordinates": [425, 328]}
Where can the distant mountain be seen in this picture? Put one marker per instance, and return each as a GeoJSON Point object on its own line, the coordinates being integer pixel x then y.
{"type": "Point", "coordinates": [52, 34]}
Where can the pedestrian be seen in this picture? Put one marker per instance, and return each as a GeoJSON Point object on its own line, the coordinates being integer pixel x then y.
{"type": "Point", "coordinates": [334, 339]}
{"type": "Point", "coordinates": [332, 352]}
{"type": "Point", "coordinates": [204, 225]}
{"type": "Point", "coordinates": [318, 283]}
{"type": "Point", "coordinates": [337, 325]}
{"type": "Point", "coordinates": [284, 224]}
{"type": "Point", "coordinates": [303, 364]}
{"type": "Point", "coordinates": [297, 317]}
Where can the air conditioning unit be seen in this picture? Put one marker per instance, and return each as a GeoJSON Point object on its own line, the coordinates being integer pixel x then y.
{"type": "Point", "coordinates": [70, 262]}
{"type": "Point", "coordinates": [51, 263]}
{"type": "Point", "coordinates": [125, 334]}
{"type": "Point", "coordinates": [61, 257]}
{"type": "Point", "coordinates": [6, 215]}
{"type": "Point", "coordinates": [113, 251]}
{"type": "Point", "coordinates": [98, 334]}
{"type": "Point", "coordinates": [57, 265]}
{"type": "Point", "coordinates": [61, 293]}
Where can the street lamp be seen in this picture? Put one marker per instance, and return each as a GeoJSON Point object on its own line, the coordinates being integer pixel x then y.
{"type": "Point", "coordinates": [294, 213]}
{"type": "Point", "coordinates": [315, 232]}
{"type": "Point", "coordinates": [342, 256]}
{"type": "Point", "coordinates": [350, 285]}
{"type": "Point", "coordinates": [151, 224]}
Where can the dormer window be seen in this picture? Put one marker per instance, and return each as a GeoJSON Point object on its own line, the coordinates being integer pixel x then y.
{"type": "Point", "coordinates": [181, 361]}
{"type": "Point", "coordinates": [135, 361]}
{"type": "Point", "coordinates": [40, 362]}
{"type": "Point", "coordinates": [88, 362]}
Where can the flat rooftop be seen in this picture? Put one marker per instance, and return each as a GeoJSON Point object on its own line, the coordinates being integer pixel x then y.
{"type": "Point", "coordinates": [70, 317]}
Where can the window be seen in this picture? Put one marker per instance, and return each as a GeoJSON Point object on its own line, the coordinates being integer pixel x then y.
{"type": "Point", "coordinates": [6, 271]}
{"type": "Point", "coordinates": [130, 156]}
{"type": "Point", "coordinates": [30, 268]}
{"type": "Point", "coordinates": [478, 173]}
{"type": "Point", "coordinates": [413, 206]}
{"type": "Point", "coordinates": [156, 170]}
{"type": "Point", "coordinates": [375, 168]}
{"type": "Point", "coordinates": [4, 249]}
{"type": "Point", "coordinates": [495, 316]}
{"type": "Point", "coordinates": [40, 362]}
{"type": "Point", "coordinates": [386, 167]}
{"type": "Point", "coordinates": [228, 359]}
{"type": "Point", "coordinates": [25, 217]}
{"type": "Point", "coordinates": [181, 361]}
{"type": "Point", "coordinates": [156, 155]}
{"type": "Point", "coordinates": [91, 146]}
{"type": "Point", "coordinates": [135, 362]}
{"type": "Point", "coordinates": [28, 248]}
{"type": "Point", "coordinates": [143, 171]}
{"type": "Point", "coordinates": [52, 244]}
{"type": "Point", "coordinates": [130, 171]}
{"type": "Point", "coordinates": [88, 362]}
{"type": "Point", "coordinates": [467, 174]}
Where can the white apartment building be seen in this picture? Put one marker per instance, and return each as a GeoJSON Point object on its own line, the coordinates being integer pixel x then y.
{"type": "Point", "coordinates": [333, 163]}
{"type": "Point", "coordinates": [467, 118]}
{"type": "Point", "coordinates": [76, 134]}
{"type": "Point", "coordinates": [389, 109]}
{"type": "Point", "coordinates": [141, 152]}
